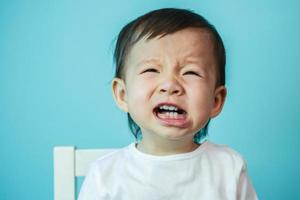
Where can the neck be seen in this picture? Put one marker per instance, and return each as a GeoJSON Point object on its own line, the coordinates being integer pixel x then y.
{"type": "Point", "coordinates": [166, 147]}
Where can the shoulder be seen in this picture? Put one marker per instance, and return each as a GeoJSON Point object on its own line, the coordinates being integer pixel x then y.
{"type": "Point", "coordinates": [224, 155]}
{"type": "Point", "coordinates": [116, 156]}
{"type": "Point", "coordinates": [98, 174]}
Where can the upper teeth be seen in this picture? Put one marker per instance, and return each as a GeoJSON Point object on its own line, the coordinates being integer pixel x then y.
{"type": "Point", "coordinates": [168, 107]}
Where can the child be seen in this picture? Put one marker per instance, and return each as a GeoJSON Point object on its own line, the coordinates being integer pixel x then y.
{"type": "Point", "coordinates": [170, 79]}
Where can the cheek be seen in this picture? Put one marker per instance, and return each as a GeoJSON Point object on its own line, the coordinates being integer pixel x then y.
{"type": "Point", "coordinates": [138, 103]}
{"type": "Point", "coordinates": [202, 100]}
{"type": "Point", "coordinates": [138, 93]}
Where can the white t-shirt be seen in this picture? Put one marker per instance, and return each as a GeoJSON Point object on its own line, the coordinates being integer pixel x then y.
{"type": "Point", "coordinates": [210, 172]}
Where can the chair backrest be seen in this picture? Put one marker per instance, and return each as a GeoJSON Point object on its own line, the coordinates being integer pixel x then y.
{"type": "Point", "coordinates": [70, 163]}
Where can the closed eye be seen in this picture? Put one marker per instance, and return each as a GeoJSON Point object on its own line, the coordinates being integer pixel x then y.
{"type": "Point", "coordinates": [150, 70]}
{"type": "Point", "coordinates": [191, 73]}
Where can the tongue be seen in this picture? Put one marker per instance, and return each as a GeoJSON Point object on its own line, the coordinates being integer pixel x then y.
{"type": "Point", "coordinates": [171, 115]}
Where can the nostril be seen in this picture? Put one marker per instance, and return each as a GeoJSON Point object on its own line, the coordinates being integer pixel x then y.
{"type": "Point", "coordinates": [170, 92]}
{"type": "Point", "coordinates": [170, 88]}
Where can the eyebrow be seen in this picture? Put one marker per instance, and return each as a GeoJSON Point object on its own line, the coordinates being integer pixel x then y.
{"type": "Point", "coordinates": [188, 60]}
{"type": "Point", "coordinates": [147, 61]}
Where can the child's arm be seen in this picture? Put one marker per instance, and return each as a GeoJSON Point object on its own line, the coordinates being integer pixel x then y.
{"type": "Point", "coordinates": [245, 190]}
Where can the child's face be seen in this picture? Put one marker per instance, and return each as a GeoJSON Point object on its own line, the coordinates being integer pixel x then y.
{"type": "Point", "coordinates": [178, 69]}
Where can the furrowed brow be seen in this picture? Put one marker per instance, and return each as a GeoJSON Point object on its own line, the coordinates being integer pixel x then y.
{"type": "Point", "coordinates": [147, 61]}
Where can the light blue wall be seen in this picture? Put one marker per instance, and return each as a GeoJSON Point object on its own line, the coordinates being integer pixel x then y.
{"type": "Point", "coordinates": [56, 64]}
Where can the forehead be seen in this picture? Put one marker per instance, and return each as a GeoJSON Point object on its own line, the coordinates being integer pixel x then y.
{"type": "Point", "coordinates": [190, 43]}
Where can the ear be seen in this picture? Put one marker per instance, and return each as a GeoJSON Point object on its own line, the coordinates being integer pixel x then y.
{"type": "Point", "coordinates": [220, 96]}
{"type": "Point", "coordinates": [119, 93]}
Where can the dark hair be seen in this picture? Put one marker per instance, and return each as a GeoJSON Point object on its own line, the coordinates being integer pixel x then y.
{"type": "Point", "coordinates": [162, 22]}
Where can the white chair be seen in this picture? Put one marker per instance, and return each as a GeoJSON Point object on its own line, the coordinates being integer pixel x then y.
{"type": "Point", "coordinates": [70, 163]}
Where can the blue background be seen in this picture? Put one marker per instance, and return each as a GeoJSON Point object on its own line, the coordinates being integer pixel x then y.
{"type": "Point", "coordinates": [55, 71]}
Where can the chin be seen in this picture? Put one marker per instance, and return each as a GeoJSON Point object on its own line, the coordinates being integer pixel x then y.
{"type": "Point", "coordinates": [175, 136]}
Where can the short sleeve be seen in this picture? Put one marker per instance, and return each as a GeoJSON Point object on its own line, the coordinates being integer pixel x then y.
{"type": "Point", "coordinates": [245, 190]}
{"type": "Point", "coordinates": [91, 188]}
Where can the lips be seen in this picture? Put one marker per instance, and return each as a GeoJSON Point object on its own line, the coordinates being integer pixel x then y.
{"type": "Point", "coordinates": [170, 114]}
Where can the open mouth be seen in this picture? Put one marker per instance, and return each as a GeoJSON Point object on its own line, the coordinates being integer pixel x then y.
{"type": "Point", "coordinates": [169, 112]}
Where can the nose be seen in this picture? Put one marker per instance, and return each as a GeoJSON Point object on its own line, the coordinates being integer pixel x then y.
{"type": "Point", "coordinates": [170, 86]}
